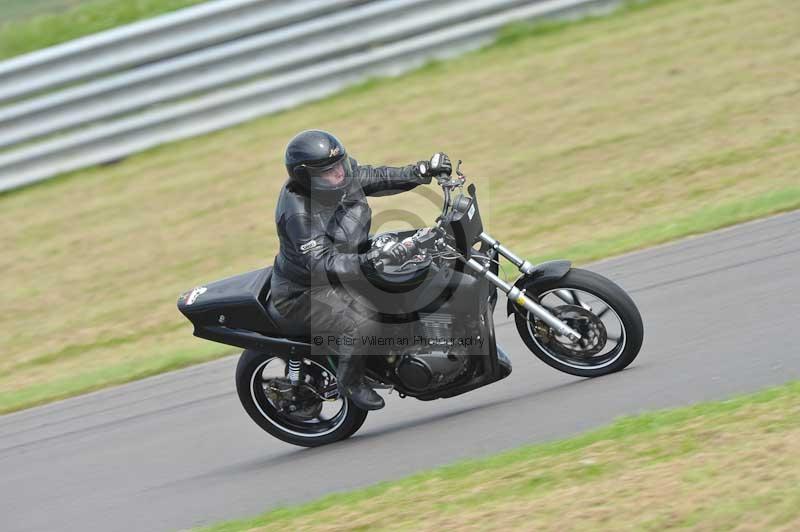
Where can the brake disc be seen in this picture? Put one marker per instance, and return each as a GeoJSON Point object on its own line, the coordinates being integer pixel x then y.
{"type": "Point", "coordinates": [590, 327]}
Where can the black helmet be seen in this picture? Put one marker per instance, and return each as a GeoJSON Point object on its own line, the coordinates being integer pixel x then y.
{"type": "Point", "coordinates": [318, 162]}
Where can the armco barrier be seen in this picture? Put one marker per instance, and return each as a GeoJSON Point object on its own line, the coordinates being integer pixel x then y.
{"type": "Point", "coordinates": [105, 96]}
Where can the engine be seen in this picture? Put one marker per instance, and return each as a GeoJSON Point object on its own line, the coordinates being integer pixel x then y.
{"type": "Point", "coordinates": [437, 362]}
{"type": "Point", "coordinates": [423, 372]}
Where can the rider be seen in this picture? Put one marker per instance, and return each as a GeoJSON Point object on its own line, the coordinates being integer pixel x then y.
{"type": "Point", "coordinates": [323, 222]}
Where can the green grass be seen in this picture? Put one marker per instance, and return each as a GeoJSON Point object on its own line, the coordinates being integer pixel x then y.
{"type": "Point", "coordinates": [702, 221]}
{"type": "Point", "coordinates": [28, 25]}
{"type": "Point", "coordinates": [586, 140]}
{"type": "Point", "coordinates": [159, 361]}
{"type": "Point", "coordinates": [19, 10]}
{"type": "Point", "coordinates": [712, 466]}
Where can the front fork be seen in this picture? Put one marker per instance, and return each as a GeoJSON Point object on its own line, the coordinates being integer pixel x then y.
{"type": "Point", "coordinates": [515, 294]}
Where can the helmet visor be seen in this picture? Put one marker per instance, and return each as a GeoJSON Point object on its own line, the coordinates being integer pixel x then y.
{"type": "Point", "coordinates": [332, 176]}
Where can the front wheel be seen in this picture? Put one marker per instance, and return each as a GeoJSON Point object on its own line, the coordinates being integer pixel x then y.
{"type": "Point", "coordinates": [308, 415]}
{"type": "Point", "coordinates": [606, 317]}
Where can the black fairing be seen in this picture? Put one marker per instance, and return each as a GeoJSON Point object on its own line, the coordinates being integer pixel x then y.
{"type": "Point", "coordinates": [487, 370]}
{"type": "Point", "coordinates": [234, 302]}
{"type": "Point", "coordinates": [465, 222]}
{"type": "Point", "coordinates": [231, 311]}
{"type": "Point", "coordinates": [545, 272]}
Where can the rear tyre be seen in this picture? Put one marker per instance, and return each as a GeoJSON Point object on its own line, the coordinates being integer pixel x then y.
{"type": "Point", "coordinates": [602, 312]}
{"type": "Point", "coordinates": [313, 422]}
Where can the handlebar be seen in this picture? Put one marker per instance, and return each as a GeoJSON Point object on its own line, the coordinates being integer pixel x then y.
{"type": "Point", "coordinates": [454, 180]}
{"type": "Point", "coordinates": [422, 240]}
{"type": "Point", "coordinates": [445, 180]}
{"type": "Point", "coordinates": [448, 182]}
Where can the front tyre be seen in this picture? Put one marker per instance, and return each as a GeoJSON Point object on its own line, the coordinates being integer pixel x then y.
{"type": "Point", "coordinates": [606, 317]}
{"type": "Point", "coordinates": [298, 416]}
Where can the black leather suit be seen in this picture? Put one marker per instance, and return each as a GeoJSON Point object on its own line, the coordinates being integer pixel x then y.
{"type": "Point", "coordinates": [322, 241]}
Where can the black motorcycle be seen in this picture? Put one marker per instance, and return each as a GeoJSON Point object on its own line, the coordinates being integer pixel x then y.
{"type": "Point", "coordinates": [437, 308]}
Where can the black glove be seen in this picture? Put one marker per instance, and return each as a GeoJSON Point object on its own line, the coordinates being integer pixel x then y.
{"type": "Point", "coordinates": [397, 253]}
{"type": "Point", "coordinates": [439, 163]}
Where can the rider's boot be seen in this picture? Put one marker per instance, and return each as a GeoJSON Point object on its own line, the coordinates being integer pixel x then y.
{"type": "Point", "coordinates": [350, 379]}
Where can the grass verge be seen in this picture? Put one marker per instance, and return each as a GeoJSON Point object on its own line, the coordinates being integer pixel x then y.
{"type": "Point", "coordinates": [729, 465]}
{"type": "Point", "coordinates": [586, 140]}
{"type": "Point", "coordinates": [28, 25]}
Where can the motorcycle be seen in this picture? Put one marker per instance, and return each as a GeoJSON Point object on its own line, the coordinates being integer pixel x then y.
{"type": "Point", "coordinates": [436, 309]}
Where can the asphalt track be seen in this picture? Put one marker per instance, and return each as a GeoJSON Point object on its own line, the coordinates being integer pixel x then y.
{"type": "Point", "coordinates": [177, 451]}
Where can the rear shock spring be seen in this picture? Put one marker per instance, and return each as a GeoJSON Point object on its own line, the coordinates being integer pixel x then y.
{"type": "Point", "coordinates": [294, 371]}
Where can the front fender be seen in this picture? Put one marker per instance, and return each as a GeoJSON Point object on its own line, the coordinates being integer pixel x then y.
{"type": "Point", "coordinates": [545, 272]}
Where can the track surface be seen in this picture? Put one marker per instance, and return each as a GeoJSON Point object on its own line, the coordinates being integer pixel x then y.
{"type": "Point", "coordinates": [175, 451]}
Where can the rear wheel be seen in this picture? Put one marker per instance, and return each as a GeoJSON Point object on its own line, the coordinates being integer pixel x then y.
{"type": "Point", "coordinates": [307, 415]}
{"type": "Point", "coordinates": [606, 317]}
